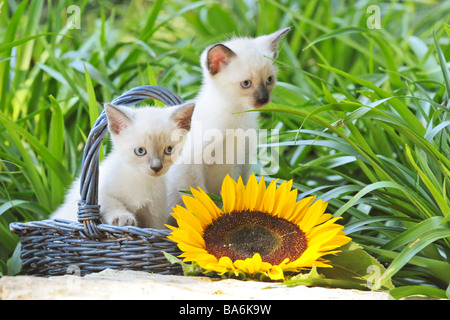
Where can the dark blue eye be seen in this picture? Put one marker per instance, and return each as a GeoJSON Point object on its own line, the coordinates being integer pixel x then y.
{"type": "Point", "coordinates": [169, 150]}
{"type": "Point", "coordinates": [246, 84]}
{"type": "Point", "coordinates": [140, 151]}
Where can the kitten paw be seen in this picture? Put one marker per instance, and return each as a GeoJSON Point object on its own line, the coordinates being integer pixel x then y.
{"type": "Point", "coordinates": [121, 219]}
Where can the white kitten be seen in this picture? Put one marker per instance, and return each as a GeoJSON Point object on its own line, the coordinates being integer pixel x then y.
{"type": "Point", "coordinates": [132, 181]}
{"type": "Point", "coordinates": [238, 75]}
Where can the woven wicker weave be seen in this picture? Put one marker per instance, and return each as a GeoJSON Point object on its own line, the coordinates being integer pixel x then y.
{"type": "Point", "coordinates": [57, 247]}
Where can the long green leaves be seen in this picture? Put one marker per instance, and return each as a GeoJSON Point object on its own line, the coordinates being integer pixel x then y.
{"type": "Point", "coordinates": [363, 114]}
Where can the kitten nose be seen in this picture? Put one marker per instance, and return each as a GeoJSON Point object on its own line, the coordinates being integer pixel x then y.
{"type": "Point", "coordinates": [156, 165]}
{"type": "Point", "coordinates": [156, 168]}
{"type": "Point", "coordinates": [262, 95]}
{"type": "Point", "coordinates": [263, 100]}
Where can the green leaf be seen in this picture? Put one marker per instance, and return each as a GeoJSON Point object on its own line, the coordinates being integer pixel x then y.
{"type": "Point", "coordinates": [353, 268]}
{"type": "Point", "coordinates": [355, 264]}
{"type": "Point", "coordinates": [93, 107]}
{"type": "Point", "coordinates": [400, 107]}
{"type": "Point", "coordinates": [407, 291]}
{"type": "Point", "coordinates": [443, 63]}
{"type": "Point", "coordinates": [39, 211]}
{"type": "Point", "coordinates": [188, 269]}
{"type": "Point", "coordinates": [13, 44]}
{"type": "Point", "coordinates": [14, 263]}
{"type": "Point", "coordinates": [339, 32]}
{"type": "Point", "coordinates": [410, 251]}
{"type": "Point", "coordinates": [43, 152]}
{"type": "Point", "coordinates": [56, 148]}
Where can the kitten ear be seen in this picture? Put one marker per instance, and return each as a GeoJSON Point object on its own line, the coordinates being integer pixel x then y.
{"type": "Point", "coordinates": [272, 40]}
{"type": "Point", "coordinates": [218, 56]}
{"type": "Point", "coordinates": [117, 119]}
{"type": "Point", "coordinates": [183, 115]}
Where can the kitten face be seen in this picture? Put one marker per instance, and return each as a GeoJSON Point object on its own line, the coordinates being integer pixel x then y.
{"type": "Point", "coordinates": [243, 68]}
{"type": "Point", "coordinates": [149, 139]}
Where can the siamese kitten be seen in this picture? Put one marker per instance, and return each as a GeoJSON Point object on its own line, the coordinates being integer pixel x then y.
{"type": "Point", "coordinates": [132, 181]}
{"type": "Point", "coordinates": [238, 75]}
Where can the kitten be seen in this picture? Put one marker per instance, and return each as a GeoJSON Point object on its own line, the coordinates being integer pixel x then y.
{"type": "Point", "coordinates": [132, 181]}
{"type": "Point", "coordinates": [238, 75]}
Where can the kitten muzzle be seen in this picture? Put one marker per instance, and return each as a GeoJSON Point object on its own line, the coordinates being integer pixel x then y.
{"type": "Point", "coordinates": [156, 165]}
{"type": "Point", "coordinates": [262, 96]}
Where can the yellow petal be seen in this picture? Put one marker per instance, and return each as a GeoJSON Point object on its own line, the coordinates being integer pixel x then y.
{"type": "Point", "coordinates": [216, 267]}
{"type": "Point", "coordinates": [198, 209]}
{"type": "Point", "coordinates": [301, 209]}
{"type": "Point", "coordinates": [260, 195]}
{"type": "Point", "coordinates": [251, 192]}
{"type": "Point", "coordinates": [226, 262]}
{"type": "Point", "coordinates": [181, 213]}
{"type": "Point", "coordinates": [281, 194]}
{"type": "Point", "coordinates": [193, 234]}
{"type": "Point", "coordinates": [228, 194]}
{"type": "Point", "coordinates": [204, 259]}
{"type": "Point", "coordinates": [240, 201]}
{"type": "Point", "coordinates": [276, 273]}
{"type": "Point", "coordinates": [312, 215]}
{"type": "Point", "coordinates": [325, 235]}
{"type": "Point", "coordinates": [285, 209]}
{"type": "Point", "coordinates": [207, 202]}
{"type": "Point", "coordinates": [269, 197]}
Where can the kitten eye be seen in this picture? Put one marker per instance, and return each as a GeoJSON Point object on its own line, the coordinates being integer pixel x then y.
{"type": "Point", "coordinates": [140, 151]}
{"type": "Point", "coordinates": [169, 150]}
{"type": "Point", "coordinates": [269, 80]}
{"type": "Point", "coordinates": [246, 84]}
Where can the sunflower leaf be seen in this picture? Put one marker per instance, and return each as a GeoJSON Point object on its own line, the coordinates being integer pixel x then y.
{"type": "Point", "coordinates": [353, 268]}
{"type": "Point", "coordinates": [355, 265]}
{"type": "Point", "coordinates": [315, 279]}
{"type": "Point", "coordinates": [189, 269]}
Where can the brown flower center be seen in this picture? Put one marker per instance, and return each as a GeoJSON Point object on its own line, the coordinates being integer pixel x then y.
{"type": "Point", "coordinates": [239, 235]}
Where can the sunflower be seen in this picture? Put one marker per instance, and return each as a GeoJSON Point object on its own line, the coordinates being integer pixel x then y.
{"type": "Point", "coordinates": [259, 231]}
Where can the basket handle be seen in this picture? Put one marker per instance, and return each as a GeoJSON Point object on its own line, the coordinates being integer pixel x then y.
{"type": "Point", "coordinates": [88, 207]}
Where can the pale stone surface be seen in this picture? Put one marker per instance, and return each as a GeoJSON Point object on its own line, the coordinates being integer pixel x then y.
{"type": "Point", "coordinates": [111, 284]}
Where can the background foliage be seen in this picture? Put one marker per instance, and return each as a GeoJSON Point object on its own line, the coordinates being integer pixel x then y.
{"type": "Point", "coordinates": [364, 113]}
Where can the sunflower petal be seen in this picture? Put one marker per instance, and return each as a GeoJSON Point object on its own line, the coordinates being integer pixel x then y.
{"type": "Point", "coordinates": [207, 202]}
{"type": "Point", "coordinates": [251, 192]}
{"type": "Point", "coordinates": [301, 208]}
{"type": "Point", "coordinates": [269, 197]}
{"type": "Point", "coordinates": [260, 194]}
{"type": "Point", "coordinates": [276, 273]}
{"type": "Point", "coordinates": [240, 201]}
{"type": "Point", "coordinates": [228, 194]}
{"type": "Point", "coordinates": [198, 209]}
{"type": "Point", "coordinates": [312, 215]}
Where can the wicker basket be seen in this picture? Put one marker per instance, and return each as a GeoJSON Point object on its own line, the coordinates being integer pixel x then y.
{"type": "Point", "coordinates": [57, 247]}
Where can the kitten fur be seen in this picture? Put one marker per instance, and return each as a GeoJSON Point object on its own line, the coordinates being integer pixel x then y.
{"type": "Point", "coordinates": [132, 180]}
{"type": "Point", "coordinates": [238, 75]}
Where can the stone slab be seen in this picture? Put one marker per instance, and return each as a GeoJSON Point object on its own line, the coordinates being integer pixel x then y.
{"type": "Point", "coordinates": [123, 285]}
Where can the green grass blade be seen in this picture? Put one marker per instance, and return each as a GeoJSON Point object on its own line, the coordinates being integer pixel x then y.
{"type": "Point", "coordinates": [41, 150]}
{"type": "Point", "coordinates": [407, 291]}
{"type": "Point", "coordinates": [335, 33]}
{"type": "Point", "coordinates": [93, 107]}
{"type": "Point", "coordinates": [10, 45]}
{"type": "Point", "coordinates": [401, 108]}
{"type": "Point", "coordinates": [443, 64]}
{"type": "Point", "coordinates": [56, 148]}
{"type": "Point", "coordinates": [427, 237]}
